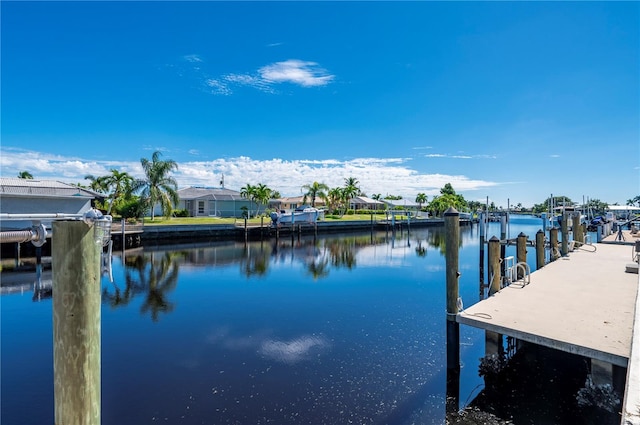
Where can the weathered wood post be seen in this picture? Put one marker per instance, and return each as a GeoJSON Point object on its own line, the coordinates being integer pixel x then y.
{"type": "Point", "coordinates": [553, 244]}
{"type": "Point", "coordinates": [564, 228]}
{"type": "Point", "coordinates": [76, 323]}
{"type": "Point", "coordinates": [452, 240]}
{"type": "Point", "coordinates": [494, 266]}
{"type": "Point", "coordinates": [540, 257]}
{"type": "Point", "coordinates": [481, 268]}
{"type": "Point", "coordinates": [521, 253]}
{"type": "Point", "coordinates": [578, 235]}
{"type": "Point", "coordinates": [503, 238]}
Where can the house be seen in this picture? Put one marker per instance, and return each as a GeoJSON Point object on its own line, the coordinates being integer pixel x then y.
{"type": "Point", "coordinates": [293, 202]}
{"type": "Point", "coordinates": [404, 204]}
{"type": "Point", "coordinates": [215, 202]}
{"type": "Point", "coordinates": [364, 203]}
{"type": "Point", "coordinates": [32, 196]}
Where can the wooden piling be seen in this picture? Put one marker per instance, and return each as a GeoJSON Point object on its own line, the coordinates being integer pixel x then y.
{"type": "Point", "coordinates": [521, 253]}
{"type": "Point", "coordinates": [553, 244]}
{"type": "Point", "coordinates": [564, 228]}
{"type": "Point", "coordinates": [452, 241]}
{"type": "Point", "coordinates": [76, 323]}
{"type": "Point", "coordinates": [481, 262]}
{"type": "Point", "coordinates": [540, 257]}
{"type": "Point", "coordinates": [494, 266]}
{"type": "Point", "coordinates": [578, 235]}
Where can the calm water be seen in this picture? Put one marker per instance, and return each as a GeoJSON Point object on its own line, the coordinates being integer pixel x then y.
{"type": "Point", "coordinates": [343, 329]}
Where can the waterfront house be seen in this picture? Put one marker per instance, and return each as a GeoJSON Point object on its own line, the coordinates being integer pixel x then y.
{"type": "Point", "coordinates": [34, 196]}
{"type": "Point", "coordinates": [364, 203]}
{"type": "Point", "coordinates": [291, 203]}
{"type": "Point", "coordinates": [215, 202]}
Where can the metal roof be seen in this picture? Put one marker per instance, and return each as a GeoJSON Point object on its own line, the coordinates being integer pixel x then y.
{"type": "Point", "coordinates": [32, 187]}
{"type": "Point", "coordinates": [213, 193]}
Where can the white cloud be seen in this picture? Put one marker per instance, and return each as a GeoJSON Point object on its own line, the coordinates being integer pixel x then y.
{"type": "Point", "coordinates": [292, 71]}
{"type": "Point", "coordinates": [442, 155]}
{"type": "Point", "coordinates": [306, 74]}
{"type": "Point", "coordinates": [376, 175]}
{"type": "Point", "coordinates": [192, 58]}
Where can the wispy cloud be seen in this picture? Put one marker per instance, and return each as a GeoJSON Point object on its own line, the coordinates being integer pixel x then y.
{"type": "Point", "coordinates": [274, 44]}
{"type": "Point", "coordinates": [459, 156]}
{"type": "Point", "coordinates": [192, 58]}
{"type": "Point", "coordinates": [554, 156]}
{"type": "Point", "coordinates": [266, 78]}
{"type": "Point", "coordinates": [306, 74]}
{"type": "Point", "coordinates": [376, 175]}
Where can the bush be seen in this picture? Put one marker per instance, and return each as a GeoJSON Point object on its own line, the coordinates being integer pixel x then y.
{"type": "Point", "coordinates": [133, 208]}
{"type": "Point", "coordinates": [181, 213]}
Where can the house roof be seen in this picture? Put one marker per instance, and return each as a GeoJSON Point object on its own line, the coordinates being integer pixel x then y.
{"type": "Point", "coordinates": [213, 193]}
{"type": "Point", "coordinates": [14, 186]}
{"type": "Point", "coordinates": [364, 200]}
{"type": "Point", "coordinates": [401, 203]}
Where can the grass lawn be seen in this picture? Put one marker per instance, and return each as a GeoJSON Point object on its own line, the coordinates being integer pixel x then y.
{"type": "Point", "coordinates": [159, 221]}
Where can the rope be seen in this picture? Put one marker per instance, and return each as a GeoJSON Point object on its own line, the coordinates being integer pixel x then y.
{"type": "Point", "coordinates": [461, 311]}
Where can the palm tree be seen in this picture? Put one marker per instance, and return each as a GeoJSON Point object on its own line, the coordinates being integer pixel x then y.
{"type": "Point", "coordinates": [248, 192]}
{"type": "Point", "coordinates": [119, 184]}
{"type": "Point", "coordinates": [25, 175]}
{"type": "Point", "coordinates": [421, 198]}
{"type": "Point", "coordinates": [352, 182]}
{"type": "Point", "coordinates": [262, 194]}
{"type": "Point", "coordinates": [158, 186]}
{"type": "Point", "coordinates": [376, 196]}
{"type": "Point", "coordinates": [335, 198]}
{"type": "Point", "coordinates": [350, 190]}
{"type": "Point", "coordinates": [315, 190]}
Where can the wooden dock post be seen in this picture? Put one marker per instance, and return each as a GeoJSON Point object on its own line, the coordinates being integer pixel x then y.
{"type": "Point", "coordinates": [540, 257]}
{"type": "Point", "coordinates": [76, 323]}
{"type": "Point", "coordinates": [578, 234]}
{"type": "Point", "coordinates": [452, 241]}
{"type": "Point", "coordinates": [553, 244]}
{"type": "Point", "coordinates": [494, 266]}
{"type": "Point", "coordinates": [564, 228]}
{"type": "Point", "coordinates": [481, 264]}
{"type": "Point", "coordinates": [521, 253]}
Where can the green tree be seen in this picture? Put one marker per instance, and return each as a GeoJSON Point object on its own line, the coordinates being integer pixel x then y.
{"type": "Point", "coordinates": [551, 202]}
{"type": "Point", "coordinates": [313, 191]}
{"type": "Point", "coordinates": [158, 187]}
{"type": "Point", "coordinates": [119, 186]}
{"type": "Point", "coordinates": [25, 175]}
{"type": "Point", "coordinates": [633, 201]}
{"type": "Point", "coordinates": [351, 184]}
{"type": "Point", "coordinates": [262, 195]}
{"type": "Point", "coordinates": [421, 198]}
{"type": "Point", "coordinates": [335, 199]}
{"type": "Point", "coordinates": [248, 192]}
{"type": "Point", "coordinates": [448, 198]}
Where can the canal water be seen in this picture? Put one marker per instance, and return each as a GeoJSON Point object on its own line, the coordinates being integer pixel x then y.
{"type": "Point", "coordinates": [339, 329]}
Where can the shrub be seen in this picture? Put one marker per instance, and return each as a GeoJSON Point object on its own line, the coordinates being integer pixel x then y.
{"type": "Point", "coordinates": [181, 213]}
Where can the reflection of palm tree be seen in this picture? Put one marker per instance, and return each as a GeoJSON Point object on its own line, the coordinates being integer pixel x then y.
{"type": "Point", "coordinates": [342, 253]}
{"type": "Point", "coordinates": [146, 274]}
{"type": "Point", "coordinates": [421, 250]}
{"type": "Point", "coordinates": [163, 277]}
{"type": "Point", "coordinates": [318, 267]}
{"type": "Point", "coordinates": [255, 262]}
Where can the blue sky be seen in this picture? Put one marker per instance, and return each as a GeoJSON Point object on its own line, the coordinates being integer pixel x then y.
{"type": "Point", "coordinates": [506, 100]}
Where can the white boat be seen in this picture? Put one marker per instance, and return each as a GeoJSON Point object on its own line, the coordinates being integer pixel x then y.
{"type": "Point", "coordinates": [300, 215]}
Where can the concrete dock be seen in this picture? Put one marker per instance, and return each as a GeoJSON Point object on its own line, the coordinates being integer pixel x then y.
{"type": "Point", "coordinates": [585, 303]}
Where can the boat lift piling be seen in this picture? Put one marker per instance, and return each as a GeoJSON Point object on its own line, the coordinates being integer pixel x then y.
{"type": "Point", "coordinates": [452, 241]}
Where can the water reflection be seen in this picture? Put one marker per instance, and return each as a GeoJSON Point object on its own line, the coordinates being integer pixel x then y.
{"type": "Point", "coordinates": [152, 274]}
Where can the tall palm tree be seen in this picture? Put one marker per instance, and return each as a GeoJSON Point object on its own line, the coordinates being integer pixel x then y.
{"type": "Point", "coordinates": [335, 198]}
{"type": "Point", "coordinates": [262, 195]}
{"type": "Point", "coordinates": [25, 175]}
{"type": "Point", "coordinates": [119, 184]}
{"type": "Point", "coordinates": [351, 183]}
{"type": "Point", "coordinates": [421, 198]}
{"type": "Point", "coordinates": [315, 190]}
{"type": "Point", "coordinates": [158, 186]}
{"type": "Point", "coordinates": [248, 192]}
